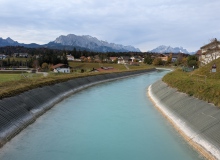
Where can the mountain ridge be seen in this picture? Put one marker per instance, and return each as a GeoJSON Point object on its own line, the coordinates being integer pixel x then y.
{"type": "Point", "coordinates": [71, 41]}
{"type": "Point", "coordinates": [92, 43]}
{"type": "Point", "coordinates": [169, 49]}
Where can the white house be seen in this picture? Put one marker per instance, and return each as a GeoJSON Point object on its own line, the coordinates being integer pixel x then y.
{"type": "Point", "coordinates": [61, 68]}
{"type": "Point", "coordinates": [2, 56]}
{"type": "Point", "coordinates": [136, 59]}
{"type": "Point", "coordinates": [21, 55]}
{"type": "Point", "coordinates": [210, 52]}
{"type": "Point", "coordinates": [123, 60]}
{"type": "Point", "coordinates": [70, 57]}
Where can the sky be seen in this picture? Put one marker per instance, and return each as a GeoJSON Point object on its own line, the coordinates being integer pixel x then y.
{"type": "Point", "coordinates": [144, 24]}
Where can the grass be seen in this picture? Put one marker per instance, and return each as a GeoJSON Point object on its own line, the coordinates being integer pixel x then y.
{"type": "Point", "coordinates": [90, 66]}
{"type": "Point", "coordinates": [9, 77]}
{"type": "Point", "coordinates": [19, 83]}
{"type": "Point", "coordinates": [200, 83]}
{"type": "Point", "coordinates": [18, 59]}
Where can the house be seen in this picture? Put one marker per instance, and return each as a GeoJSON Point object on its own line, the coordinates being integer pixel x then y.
{"type": "Point", "coordinates": [89, 59]}
{"type": "Point", "coordinates": [70, 57]}
{"type": "Point", "coordinates": [83, 58]}
{"type": "Point", "coordinates": [21, 55]}
{"type": "Point", "coordinates": [97, 59]}
{"type": "Point", "coordinates": [124, 60]}
{"type": "Point", "coordinates": [61, 68]}
{"type": "Point", "coordinates": [133, 58]}
{"type": "Point", "coordinates": [163, 57]}
{"type": "Point", "coordinates": [113, 59]}
{"type": "Point", "coordinates": [137, 59]}
{"type": "Point", "coordinates": [175, 57]}
{"type": "Point", "coordinates": [210, 52]}
{"type": "Point", "coordinates": [2, 56]}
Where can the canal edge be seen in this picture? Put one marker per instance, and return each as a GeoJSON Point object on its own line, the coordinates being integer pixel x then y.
{"type": "Point", "coordinates": [201, 150]}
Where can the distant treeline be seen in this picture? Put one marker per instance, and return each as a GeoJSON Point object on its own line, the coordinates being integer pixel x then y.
{"type": "Point", "coordinates": [10, 50]}
{"type": "Point", "coordinates": [38, 56]}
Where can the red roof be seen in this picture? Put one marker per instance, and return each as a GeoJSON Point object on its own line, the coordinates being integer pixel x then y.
{"type": "Point", "coordinates": [58, 65]}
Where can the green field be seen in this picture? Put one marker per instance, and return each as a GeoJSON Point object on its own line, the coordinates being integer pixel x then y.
{"type": "Point", "coordinates": [12, 84]}
{"type": "Point", "coordinates": [90, 66]}
{"type": "Point", "coordinates": [9, 77]}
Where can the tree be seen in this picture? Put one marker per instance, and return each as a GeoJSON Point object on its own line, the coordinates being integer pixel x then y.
{"type": "Point", "coordinates": [192, 60]}
{"type": "Point", "coordinates": [148, 59]}
{"type": "Point", "coordinates": [44, 66]}
{"type": "Point", "coordinates": [157, 61]}
{"type": "Point", "coordinates": [8, 62]}
{"type": "Point", "coordinates": [116, 60]}
{"type": "Point", "coordinates": [169, 60]}
{"type": "Point", "coordinates": [35, 64]}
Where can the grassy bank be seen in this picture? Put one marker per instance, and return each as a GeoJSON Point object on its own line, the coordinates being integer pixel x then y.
{"type": "Point", "coordinates": [20, 83]}
{"type": "Point", "coordinates": [200, 83]}
{"type": "Point", "coordinates": [89, 66]}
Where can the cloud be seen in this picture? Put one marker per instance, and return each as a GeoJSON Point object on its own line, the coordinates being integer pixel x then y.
{"type": "Point", "coordinates": [144, 24]}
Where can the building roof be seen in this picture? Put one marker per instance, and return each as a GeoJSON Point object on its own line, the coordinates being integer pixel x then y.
{"type": "Point", "coordinates": [215, 41]}
{"type": "Point", "coordinates": [113, 58]}
{"type": "Point", "coordinates": [59, 65]}
{"type": "Point", "coordinates": [162, 55]}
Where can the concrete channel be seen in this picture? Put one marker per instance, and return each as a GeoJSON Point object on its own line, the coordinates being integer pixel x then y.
{"type": "Point", "coordinates": [196, 120]}
{"type": "Point", "coordinates": [17, 112]}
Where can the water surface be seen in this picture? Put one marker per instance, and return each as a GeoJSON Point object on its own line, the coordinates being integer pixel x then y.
{"type": "Point", "coordinates": [110, 121]}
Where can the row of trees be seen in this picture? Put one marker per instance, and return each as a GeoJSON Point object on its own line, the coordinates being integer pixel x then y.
{"type": "Point", "coordinates": [35, 61]}
{"type": "Point", "coordinates": [10, 50]}
{"type": "Point", "coordinates": [190, 60]}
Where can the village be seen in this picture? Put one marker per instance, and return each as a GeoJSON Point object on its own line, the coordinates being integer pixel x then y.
{"type": "Point", "coordinates": [25, 61]}
{"type": "Point", "coordinates": [69, 61]}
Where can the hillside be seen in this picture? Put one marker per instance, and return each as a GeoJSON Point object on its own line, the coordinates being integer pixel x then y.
{"type": "Point", "coordinates": [200, 83]}
{"type": "Point", "coordinates": [206, 70]}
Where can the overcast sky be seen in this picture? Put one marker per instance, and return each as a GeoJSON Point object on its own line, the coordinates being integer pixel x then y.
{"type": "Point", "coordinates": [144, 24]}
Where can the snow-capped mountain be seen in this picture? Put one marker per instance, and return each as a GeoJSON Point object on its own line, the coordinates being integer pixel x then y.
{"type": "Point", "coordinates": [72, 41]}
{"type": "Point", "coordinates": [7, 42]}
{"type": "Point", "coordinates": [92, 43]}
{"type": "Point", "coordinates": [168, 49]}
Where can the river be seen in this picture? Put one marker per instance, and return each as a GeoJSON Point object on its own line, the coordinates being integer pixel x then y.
{"type": "Point", "coordinates": [109, 121]}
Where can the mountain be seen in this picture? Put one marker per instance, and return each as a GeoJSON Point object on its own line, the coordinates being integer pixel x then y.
{"type": "Point", "coordinates": [92, 43]}
{"type": "Point", "coordinates": [7, 42]}
{"type": "Point", "coordinates": [168, 49]}
{"type": "Point", "coordinates": [72, 41]}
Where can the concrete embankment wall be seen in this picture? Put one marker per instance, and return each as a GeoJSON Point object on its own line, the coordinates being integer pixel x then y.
{"type": "Point", "coordinates": [19, 111]}
{"type": "Point", "coordinates": [198, 120]}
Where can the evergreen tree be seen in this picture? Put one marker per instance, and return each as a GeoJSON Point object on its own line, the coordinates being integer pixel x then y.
{"type": "Point", "coordinates": [148, 59]}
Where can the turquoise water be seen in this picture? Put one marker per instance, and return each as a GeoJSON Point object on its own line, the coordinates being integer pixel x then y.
{"type": "Point", "coordinates": [110, 121]}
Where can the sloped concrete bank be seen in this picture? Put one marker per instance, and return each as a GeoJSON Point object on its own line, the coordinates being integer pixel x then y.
{"type": "Point", "coordinates": [19, 111]}
{"type": "Point", "coordinates": [196, 120]}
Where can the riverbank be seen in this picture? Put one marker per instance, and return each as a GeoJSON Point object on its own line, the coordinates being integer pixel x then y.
{"type": "Point", "coordinates": [19, 111]}
{"type": "Point", "coordinates": [197, 121]}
